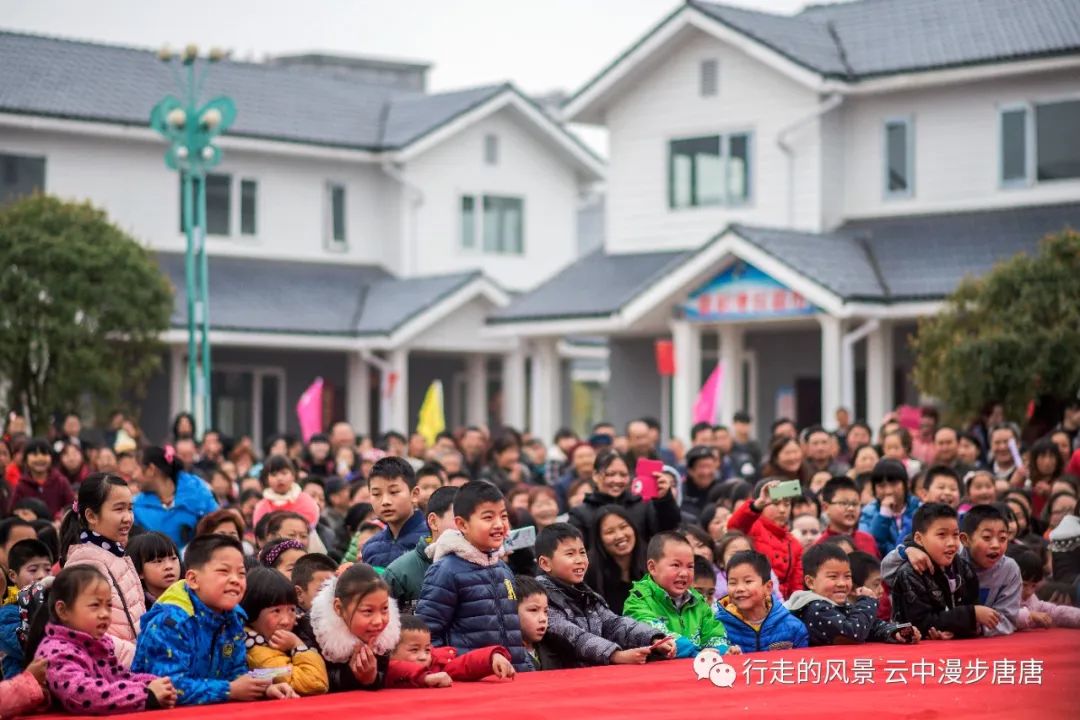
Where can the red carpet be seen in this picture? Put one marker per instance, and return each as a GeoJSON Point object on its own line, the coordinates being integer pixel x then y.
{"type": "Point", "coordinates": [670, 690]}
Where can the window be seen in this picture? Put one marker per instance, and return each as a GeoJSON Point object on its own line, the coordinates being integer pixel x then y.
{"type": "Point", "coordinates": [710, 78]}
{"type": "Point", "coordinates": [248, 192]}
{"type": "Point", "coordinates": [502, 227]}
{"type": "Point", "coordinates": [491, 149]}
{"type": "Point", "coordinates": [20, 176]}
{"type": "Point", "coordinates": [898, 153]}
{"type": "Point", "coordinates": [1038, 142]}
{"type": "Point", "coordinates": [336, 231]}
{"type": "Point", "coordinates": [1014, 141]}
{"type": "Point", "coordinates": [248, 401]}
{"type": "Point", "coordinates": [218, 202]}
{"type": "Point", "coordinates": [468, 222]}
{"type": "Point", "coordinates": [710, 170]}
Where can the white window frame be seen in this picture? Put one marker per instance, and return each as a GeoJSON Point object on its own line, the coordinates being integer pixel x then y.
{"type": "Point", "coordinates": [478, 223]}
{"type": "Point", "coordinates": [725, 153]}
{"type": "Point", "coordinates": [329, 243]}
{"type": "Point", "coordinates": [235, 206]}
{"type": "Point", "coordinates": [249, 237]}
{"type": "Point", "coordinates": [477, 230]}
{"type": "Point", "coordinates": [1029, 145]}
{"type": "Point", "coordinates": [908, 121]}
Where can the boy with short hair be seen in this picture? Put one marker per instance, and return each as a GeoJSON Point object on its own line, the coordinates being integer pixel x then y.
{"type": "Point", "coordinates": [394, 495]}
{"type": "Point", "coordinates": [468, 579]}
{"type": "Point", "coordinates": [840, 501]}
{"type": "Point", "coordinates": [30, 561]}
{"type": "Point", "coordinates": [12, 530]}
{"type": "Point", "coordinates": [429, 478]}
{"type": "Point", "coordinates": [666, 600]}
{"type": "Point", "coordinates": [577, 614]}
{"type": "Point", "coordinates": [533, 616]}
{"type": "Point", "coordinates": [941, 484]}
{"type": "Point", "coordinates": [824, 608]}
{"type": "Point", "coordinates": [308, 575]}
{"type": "Point", "coordinates": [405, 576]}
{"type": "Point", "coordinates": [415, 663]}
{"type": "Point", "coordinates": [753, 621]}
{"type": "Point", "coordinates": [194, 633]}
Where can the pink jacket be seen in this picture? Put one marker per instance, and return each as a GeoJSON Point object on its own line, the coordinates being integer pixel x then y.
{"type": "Point", "coordinates": [19, 695]}
{"type": "Point", "coordinates": [85, 676]}
{"type": "Point", "coordinates": [298, 502]}
{"type": "Point", "coordinates": [1064, 616]}
{"type": "Point", "coordinates": [124, 577]}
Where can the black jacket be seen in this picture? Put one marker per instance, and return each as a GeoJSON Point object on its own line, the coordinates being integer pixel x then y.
{"type": "Point", "coordinates": [648, 518]}
{"type": "Point", "coordinates": [926, 600]}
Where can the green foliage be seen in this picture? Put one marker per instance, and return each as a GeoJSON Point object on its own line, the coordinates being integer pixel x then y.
{"type": "Point", "coordinates": [82, 306]}
{"type": "Point", "coordinates": [1012, 335]}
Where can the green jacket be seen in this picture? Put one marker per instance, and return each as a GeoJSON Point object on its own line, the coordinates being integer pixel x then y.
{"type": "Point", "coordinates": [405, 576]}
{"type": "Point", "coordinates": [694, 625]}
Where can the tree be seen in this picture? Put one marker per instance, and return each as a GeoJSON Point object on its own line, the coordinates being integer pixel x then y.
{"type": "Point", "coordinates": [82, 306]}
{"type": "Point", "coordinates": [1012, 335]}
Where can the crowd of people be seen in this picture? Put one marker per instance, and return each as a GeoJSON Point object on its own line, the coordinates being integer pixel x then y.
{"type": "Point", "coordinates": [202, 570]}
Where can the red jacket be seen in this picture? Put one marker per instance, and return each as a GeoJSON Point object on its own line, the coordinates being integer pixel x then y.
{"type": "Point", "coordinates": [863, 540]}
{"type": "Point", "coordinates": [472, 666]}
{"type": "Point", "coordinates": [55, 492]}
{"type": "Point", "coordinates": [774, 542]}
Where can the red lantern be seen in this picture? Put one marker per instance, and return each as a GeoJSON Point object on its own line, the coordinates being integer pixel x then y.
{"type": "Point", "coordinates": [665, 358]}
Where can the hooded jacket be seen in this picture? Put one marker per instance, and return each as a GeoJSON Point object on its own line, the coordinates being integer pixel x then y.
{"type": "Point", "coordinates": [780, 630]}
{"type": "Point", "coordinates": [581, 617]}
{"type": "Point", "coordinates": [193, 500]}
{"type": "Point", "coordinates": [128, 598]}
{"type": "Point", "coordinates": [199, 649]}
{"type": "Point", "coordinates": [85, 676]}
{"type": "Point", "coordinates": [405, 576]}
{"type": "Point", "coordinates": [693, 623]}
{"type": "Point", "coordinates": [774, 542]}
{"type": "Point", "coordinates": [829, 623]}
{"type": "Point", "coordinates": [325, 631]}
{"type": "Point", "coordinates": [647, 517]}
{"type": "Point", "coordinates": [468, 600]}
{"type": "Point", "coordinates": [383, 548]}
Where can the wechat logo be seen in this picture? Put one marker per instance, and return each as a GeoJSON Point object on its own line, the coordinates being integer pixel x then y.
{"type": "Point", "coordinates": [709, 665]}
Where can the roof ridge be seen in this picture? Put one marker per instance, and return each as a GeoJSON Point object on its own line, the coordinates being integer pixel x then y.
{"type": "Point", "coordinates": [830, 26]}
{"type": "Point", "coordinates": [863, 242]}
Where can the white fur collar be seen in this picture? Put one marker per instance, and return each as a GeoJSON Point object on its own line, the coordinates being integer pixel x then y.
{"type": "Point", "coordinates": [334, 637]}
{"type": "Point", "coordinates": [452, 542]}
{"type": "Point", "coordinates": [283, 499]}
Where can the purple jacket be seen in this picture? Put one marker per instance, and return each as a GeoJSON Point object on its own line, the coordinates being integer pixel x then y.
{"type": "Point", "coordinates": [85, 676]}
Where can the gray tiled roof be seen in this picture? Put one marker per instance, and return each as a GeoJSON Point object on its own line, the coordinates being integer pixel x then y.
{"type": "Point", "coordinates": [255, 295]}
{"type": "Point", "coordinates": [90, 81]}
{"type": "Point", "coordinates": [868, 38]}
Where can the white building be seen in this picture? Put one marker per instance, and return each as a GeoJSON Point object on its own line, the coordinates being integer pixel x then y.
{"type": "Point", "coordinates": [789, 194]}
{"type": "Point", "coordinates": [360, 228]}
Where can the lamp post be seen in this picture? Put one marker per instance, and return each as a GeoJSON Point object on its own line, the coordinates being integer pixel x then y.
{"type": "Point", "coordinates": [190, 130]}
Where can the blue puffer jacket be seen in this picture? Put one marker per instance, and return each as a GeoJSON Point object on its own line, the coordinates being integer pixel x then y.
{"type": "Point", "coordinates": [200, 650]}
{"type": "Point", "coordinates": [193, 500]}
{"type": "Point", "coordinates": [10, 647]}
{"type": "Point", "coordinates": [887, 531]}
{"type": "Point", "coordinates": [780, 631]}
{"type": "Point", "coordinates": [383, 548]}
{"type": "Point", "coordinates": [468, 600]}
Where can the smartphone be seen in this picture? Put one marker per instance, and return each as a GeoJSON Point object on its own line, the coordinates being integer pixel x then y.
{"type": "Point", "coordinates": [520, 538]}
{"type": "Point", "coordinates": [786, 489]}
{"type": "Point", "coordinates": [645, 479]}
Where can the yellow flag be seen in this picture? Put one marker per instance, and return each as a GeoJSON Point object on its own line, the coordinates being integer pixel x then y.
{"type": "Point", "coordinates": [432, 420]}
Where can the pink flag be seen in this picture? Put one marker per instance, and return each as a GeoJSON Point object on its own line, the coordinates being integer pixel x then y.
{"type": "Point", "coordinates": [309, 410]}
{"type": "Point", "coordinates": [708, 398]}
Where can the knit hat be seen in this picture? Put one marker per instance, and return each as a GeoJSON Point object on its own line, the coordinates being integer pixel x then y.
{"type": "Point", "coordinates": [1066, 536]}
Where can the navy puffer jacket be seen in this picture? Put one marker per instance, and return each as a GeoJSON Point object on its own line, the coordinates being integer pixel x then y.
{"type": "Point", "coordinates": [383, 548]}
{"type": "Point", "coordinates": [468, 600]}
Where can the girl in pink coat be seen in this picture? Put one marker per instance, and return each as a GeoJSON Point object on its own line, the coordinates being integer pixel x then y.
{"type": "Point", "coordinates": [94, 534]}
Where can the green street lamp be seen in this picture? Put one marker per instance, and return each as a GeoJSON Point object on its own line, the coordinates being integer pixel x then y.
{"type": "Point", "coordinates": [190, 130]}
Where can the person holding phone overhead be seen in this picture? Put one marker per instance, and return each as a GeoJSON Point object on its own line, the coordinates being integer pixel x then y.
{"type": "Point", "coordinates": [612, 477]}
{"type": "Point", "coordinates": [765, 520]}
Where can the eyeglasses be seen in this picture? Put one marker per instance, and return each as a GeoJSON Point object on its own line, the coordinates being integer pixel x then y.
{"type": "Point", "coordinates": [846, 503]}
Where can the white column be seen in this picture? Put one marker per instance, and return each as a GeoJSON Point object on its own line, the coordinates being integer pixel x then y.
{"type": "Point", "coordinates": [358, 393]}
{"type": "Point", "coordinates": [686, 339]}
{"type": "Point", "coordinates": [546, 390]}
{"type": "Point", "coordinates": [399, 400]}
{"type": "Point", "coordinates": [879, 373]}
{"type": "Point", "coordinates": [476, 390]}
{"type": "Point", "coordinates": [731, 382]}
{"type": "Point", "coordinates": [832, 332]}
{"type": "Point", "coordinates": [513, 389]}
{"type": "Point", "coordinates": [178, 397]}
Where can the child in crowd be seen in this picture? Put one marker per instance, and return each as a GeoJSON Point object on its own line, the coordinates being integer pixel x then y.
{"type": "Point", "coordinates": [753, 621]}
{"type": "Point", "coordinates": [825, 609]}
{"type": "Point", "coordinates": [195, 635]}
{"type": "Point", "coordinates": [806, 529]}
{"type": "Point", "coordinates": [308, 575]}
{"type": "Point", "coordinates": [12, 530]}
{"type": "Point", "coordinates": [405, 576]}
{"type": "Point", "coordinates": [283, 493]}
{"type": "Point", "coordinates": [866, 573]}
{"type": "Point", "coordinates": [25, 691]}
{"type": "Point", "coordinates": [429, 478]}
{"type": "Point", "coordinates": [468, 596]}
{"type": "Point", "coordinates": [281, 555]}
{"type": "Point", "coordinates": [979, 488]}
{"type": "Point", "coordinates": [840, 499]}
{"type": "Point", "coordinates": [944, 601]}
{"type": "Point", "coordinates": [395, 496]}
{"type": "Point", "coordinates": [941, 484]}
{"type": "Point", "coordinates": [533, 616]}
{"type": "Point", "coordinates": [705, 579]}
{"type": "Point", "coordinates": [415, 663]}
{"type": "Point", "coordinates": [270, 605]}
{"type": "Point", "coordinates": [28, 562]}
{"type": "Point", "coordinates": [888, 517]}
{"type": "Point", "coordinates": [157, 561]}
{"type": "Point", "coordinates": [1033, 611]}
{"type": "Point", "coordinates": [354, 625]}
{"type": "Point", "coordinates": [578, 615]}
{"type": "Point", "coordinates": [765, 521]}
{"type": "Point", "coordinates": [84, 675]}
{"type": "Point", "coordinates": [666, 600]}
{"type": "Point", "coordinates": [732, 542]}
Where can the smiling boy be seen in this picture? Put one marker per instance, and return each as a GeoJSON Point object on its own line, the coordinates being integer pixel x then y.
{"type": "Point", "coordinates": [395, 497]}
{"type": "Point", "coordinates": [840, 501]}
{"type": "Point", "coordinates": [753, 621]}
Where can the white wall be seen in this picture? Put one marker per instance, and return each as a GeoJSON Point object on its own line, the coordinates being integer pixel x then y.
{"type": "Point", "coordinates": [528, 166]}
{"type": "Point", "coordinates": [956, 146]}
{"type": "Point", "coordinates": [664, 104]}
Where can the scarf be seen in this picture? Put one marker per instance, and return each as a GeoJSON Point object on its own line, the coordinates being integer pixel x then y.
{"type": "Point", "coordinates": [89, 536]}
{"type": "Point", "coordinates": [283, 498]}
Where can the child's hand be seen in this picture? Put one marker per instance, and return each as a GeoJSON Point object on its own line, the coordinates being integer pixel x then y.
{"type": "Point", "coordinates": [633, 656]}
{"type": "Point", "coordinates": [667, 648]}
{"type": "Point", "coordinates": [863, 591]}
{"type": "Point", "coordinates": [247, 688]}
{"type": "Point", "coordinates": [37, 669]}
{"type": "Point", "coordinates": [663, 484]}
{"type": "Point", "coordinates": [986, 616]}
{"type": "Point", "coordinates": [935, 634]}
{"type": "Point", "coordinates": [163, 691]}
{"type": "Point", "coordinates": [919, 560]}
{"type": "Point", "coordinates": [502, 667]}
{"type": "Point", "coordinates": [280, 691]}
{"type": "Point", "coordinates": [439, 679]}
{"type": "Point", "coordinates": [363, 665]}
{"type": "Point", "coordinates": [734, 650]}
{"type": "Point", "coordinates": [284, 640]}
{"type": "Point", "coordinates": [1042, 619]}
{"type": "Point", "coordinates": [907, 635]}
